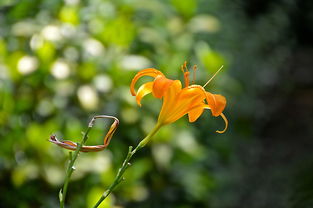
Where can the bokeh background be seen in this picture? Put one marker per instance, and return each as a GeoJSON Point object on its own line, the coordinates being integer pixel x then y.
{"type": "Point", "coordinates": [62, 62]}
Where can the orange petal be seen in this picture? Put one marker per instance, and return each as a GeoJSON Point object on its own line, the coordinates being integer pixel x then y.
{"type": "Point", "coordinates": [194, 114]}
{"type": "Point", "coordinates": [183, 102]}
{"type": "Point", "coordinates": [216, 103]}
{"type": "Point", "coordinates": [145, 72]}
{"type": "Point", "coordinates": [223, 117]}
{"type": "Point", "coordinates": [169, 100]}
{"type": "Point", "coordinates": [160, 86]}
{"type": "Point", "coordinates": [193, 91]}
{"type": "Point", "coordinates": [226, 124]}
{"type": "Point", "coordinates": [143, 91]}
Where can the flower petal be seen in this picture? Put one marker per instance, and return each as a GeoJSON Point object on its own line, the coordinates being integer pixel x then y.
{"type": "Point", "coordinates": [216, 103]}
{"type": "Point", "coordinates": [145, 72]}
{"type": "Point", "coordinates": [195, 113]}
{"type": "Point", "coordinates": [143, 91]}
{"type": "Point", "coordinates": [160, 86]}
{"type": "Point", "coordinates": [226, 124]}
{"type": "Point", "coordinates": [223, 117]}
{"type": "Point", "coordinates": [169, 100]}
{"type": "Point", "coordinates": [183, 102]}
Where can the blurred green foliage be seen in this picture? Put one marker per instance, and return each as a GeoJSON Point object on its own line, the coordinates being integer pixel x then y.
{"type": "Point", "coordinates": [62, 62]}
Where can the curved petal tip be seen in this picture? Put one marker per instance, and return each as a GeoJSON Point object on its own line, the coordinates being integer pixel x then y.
{"type": "Point", "coordinates": [226, 124]}
{"type": "Point", "coordinates": [145, 72]}
{"type": "Point", "coordinates": [143, 91]}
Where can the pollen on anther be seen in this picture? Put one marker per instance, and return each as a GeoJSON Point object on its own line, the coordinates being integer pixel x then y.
{"type": "Point", "coordinates": [184, 69]}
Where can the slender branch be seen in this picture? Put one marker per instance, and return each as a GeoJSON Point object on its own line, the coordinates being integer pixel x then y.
{"type": "Point", "coordinates": [71, 168]}
{"type": "Point", "coordinates": [119, 176]}
{"type": "Point", "coordinates": [73, 157]}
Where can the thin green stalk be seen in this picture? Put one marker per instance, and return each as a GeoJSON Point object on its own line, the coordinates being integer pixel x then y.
{"type": "Point", "coordinates": [71, 168]}
{"type": "Point", "coordinates": [119, 176]}
{"type": "Point", "coordinates": [73, 157]}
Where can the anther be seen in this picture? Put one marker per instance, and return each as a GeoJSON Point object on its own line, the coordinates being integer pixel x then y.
{"type": "Point", "coordinates": [186, 73]}
{"type": "Point", "coordinates": [185, 65]}
{"type": "Point", "coordinates": [182, 68]}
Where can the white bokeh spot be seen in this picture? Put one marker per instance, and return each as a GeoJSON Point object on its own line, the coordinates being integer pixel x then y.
{"type": "Point", "coordinates": [52, 33]}
{"type": "Point", "coordinates": [60, 70]}
{"type": "Point", "coordinates": [103, 83]}
{"type": "Point", "coordinates": [88, 97]}
{"type": "Point", "coordinates": [27, 64]}
{"type": "Point", "coordinates": [135, 62]}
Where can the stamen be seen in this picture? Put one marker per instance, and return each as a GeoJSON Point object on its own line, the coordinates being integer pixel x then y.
{"type": "Point", "coordinates": [185, 65]}
{"type": "Point", "coordinates": [186, 73]}
{"type": "Point", "coordinates": [194, 73]}
{"type": "Point", "coordinates": [226, 124]}
{"type": "Point", "coordinates": [182, 68]}
{"type": "Point", "coordinates": [213, 76]}
{"type": "Point", "coordinates": [186, 76]}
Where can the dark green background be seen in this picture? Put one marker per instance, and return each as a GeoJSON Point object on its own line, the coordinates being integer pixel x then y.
{"type": "Point", "coordinates": [62, 62]}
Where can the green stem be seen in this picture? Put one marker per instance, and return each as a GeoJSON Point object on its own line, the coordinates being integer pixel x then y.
{"type": "Point", "coordinates": [71, 168]}
{"type": "Point", "coordinates": [119, 176]}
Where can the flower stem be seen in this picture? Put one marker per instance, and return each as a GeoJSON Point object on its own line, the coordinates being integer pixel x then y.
{"type": "Point", "coordinates": [71, 168]}
{"type": "Point", "coordinates": [73, 157]}
{"type": "Point", "coordinates": [119, 176]}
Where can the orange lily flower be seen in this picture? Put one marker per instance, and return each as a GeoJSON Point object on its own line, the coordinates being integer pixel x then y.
{"type": "Point", "coordinates": [96, 148]}
{"type": "Point", "coordinates": [178, 101]}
